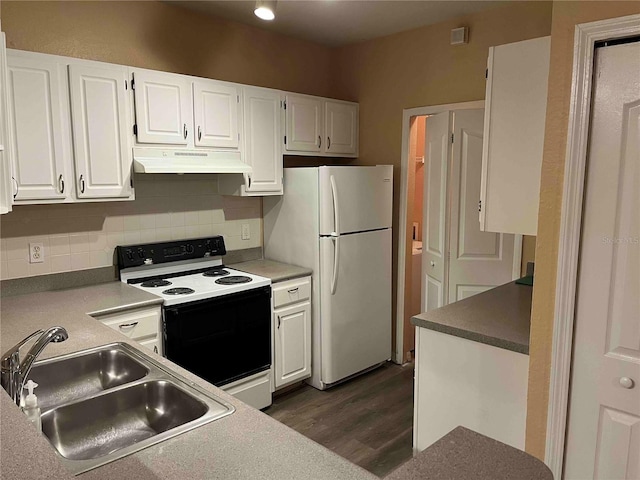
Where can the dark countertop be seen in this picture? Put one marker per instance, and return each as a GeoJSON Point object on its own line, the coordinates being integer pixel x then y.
{"type": "Point", "coordinates": [500, 317]}
{"type": "Point", "coordinates": [463, 454]}
{"type": "Point", "coordinates": [276, 271]}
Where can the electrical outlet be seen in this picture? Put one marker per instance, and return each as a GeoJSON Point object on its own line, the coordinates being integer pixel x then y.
{"type": "Point", "coordinates": [246, 231]}
{"type": "Point", "coordinates": [36, 253]}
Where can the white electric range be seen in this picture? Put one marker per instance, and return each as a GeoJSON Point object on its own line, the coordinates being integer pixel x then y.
{"type": "Point", "coordinates": [216, 321]}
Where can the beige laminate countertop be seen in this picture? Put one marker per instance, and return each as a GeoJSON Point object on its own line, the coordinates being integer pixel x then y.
{"type": "Point", "coordinates": [245, 445]}
{"type": "Point", "coordinates": [276, 271]}
{"type": "Point", "coordinates": [500, 317]}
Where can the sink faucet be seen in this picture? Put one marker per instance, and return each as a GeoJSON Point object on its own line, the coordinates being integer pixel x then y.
{"type": "Point", "coordinates": [15, 373]}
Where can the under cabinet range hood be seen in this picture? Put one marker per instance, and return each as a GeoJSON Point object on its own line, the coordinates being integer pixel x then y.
{"type": "Point", "coordinates": [156, 160]}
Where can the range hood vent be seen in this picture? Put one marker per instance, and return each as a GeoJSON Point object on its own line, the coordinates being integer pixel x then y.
{"type": "Point", "coordinates": [155, 160]}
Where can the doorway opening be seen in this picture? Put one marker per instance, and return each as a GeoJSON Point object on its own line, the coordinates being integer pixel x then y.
{"type": "Point", "coordinates": [444, 256]}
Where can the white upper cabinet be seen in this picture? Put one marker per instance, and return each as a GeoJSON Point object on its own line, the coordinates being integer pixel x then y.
{"type": "Point", "coordinates": [341, 127]}
{"type": "Point", "coordinates": [99, 110]}
{"type": "Point", "coordinates": [303, 123]}
{"type": "Point", "coordinates": [215, 109]}
{"type": "Point", "coordinates": [163, 108]}
{"type": "Point", "coordinates": [6, 187]}
{"type": "Point", "coordinates": [39, 118]}
{"type": "Point", "coordinates": [515, 110]}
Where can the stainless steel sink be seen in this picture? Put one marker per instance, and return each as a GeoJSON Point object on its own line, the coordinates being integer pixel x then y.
{"type": "Point", "coordinates": [79, 375]}
{"type": "Point", "coordinates": [115, 400]}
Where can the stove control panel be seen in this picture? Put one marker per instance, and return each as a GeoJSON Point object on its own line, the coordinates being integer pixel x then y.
{"type": "Point", "coordinates": [163, 252]}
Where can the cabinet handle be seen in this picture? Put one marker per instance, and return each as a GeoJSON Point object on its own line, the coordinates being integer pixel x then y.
{"type": "Point", "coordinates": [155, 349]}
{"type": "Point", "coordinates": [328, 143]}
{"type": "Point", "coordinates": [199, 133]}
{"type": "Point", "coordinates": [127, 325]}
{"type": "Point", "coordinates": [15, 182]}
{"type": "Point", "coordinates": [626, 382]}
{"type": "Point", "coordinates": [81, 183]}
{"type": "Point", "coordinates": [184, 129]}
{"type": "Point", "coordinates": [319, 141]}
{"type": "Point", "coordinates": [61, 183]}
{"type": "Point", "coordinates": [293, 290]}
{"type": "Point", "coordinates": [278, 321]}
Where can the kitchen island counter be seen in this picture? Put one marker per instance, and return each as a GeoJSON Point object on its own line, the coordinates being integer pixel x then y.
{"type": "Point", "coordinates": [247, 444]}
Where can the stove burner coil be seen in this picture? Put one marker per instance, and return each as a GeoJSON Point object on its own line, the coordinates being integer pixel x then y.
{"type": "Point", "coordinates": [179, 291]}
{"type": "Point", "coordinates": [233, 280]}
{"type": "Point", "coordinates": [155, 283]}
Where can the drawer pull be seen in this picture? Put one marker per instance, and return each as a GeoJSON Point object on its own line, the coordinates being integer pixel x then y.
{"type": "Point", "coordinates": [293, 290]}
{"type": "Point", "coordinates": [127, 325]}
{"type": "Point", "coordinates": [278, 321]}
{"type": "Point", "coordinates": [155, 349]}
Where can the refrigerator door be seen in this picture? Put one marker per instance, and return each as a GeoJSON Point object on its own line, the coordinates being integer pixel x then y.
{"type": "Point", "coordinates": [355, 199]}
{"type": "Point", "coordinates": [355, 309]}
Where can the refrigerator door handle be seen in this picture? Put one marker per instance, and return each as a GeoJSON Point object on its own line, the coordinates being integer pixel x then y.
{"type": "Point", "coordinates": [336, 262]}
{"type": "Point", "coordinates": [336, 214]}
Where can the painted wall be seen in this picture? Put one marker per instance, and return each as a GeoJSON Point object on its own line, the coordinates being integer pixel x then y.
{"type": "Point", "coordinates": [420, 68]}
{"type": "Point", "coordinates": [565, 16]}
{"type": "Point", "coordinates": [165, 37]}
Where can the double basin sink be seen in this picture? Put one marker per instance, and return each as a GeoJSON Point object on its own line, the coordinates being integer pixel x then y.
{"type": "Point", "coordinates": [102, 404]}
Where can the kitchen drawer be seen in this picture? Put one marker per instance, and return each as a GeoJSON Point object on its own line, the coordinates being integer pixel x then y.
{"type": "Point", "coordinates": [254, 390]}
{"type": "Point", "coordinates": [291, 291]}
{"type": "Point", "coordinates": [135, 324]}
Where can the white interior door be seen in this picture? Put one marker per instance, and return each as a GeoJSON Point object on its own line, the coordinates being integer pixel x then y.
{"type": "Point", "coordinates": [603, 434]}
{"type": "Point", "coordinates": [215, 109]}
{"type": "Point", "coordinates": [478, 261]}
{"type": "Point", "coordinates": [163, 108]}
{"type": "Point", "coordinates": [355, 313]}
{"type": "Point", "coordinates": [434, 231]}
{"type": "Point", "coordinates": [99, 109]}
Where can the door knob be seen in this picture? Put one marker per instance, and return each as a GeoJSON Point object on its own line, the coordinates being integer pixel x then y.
{"type": "Point", "coordinates": [432, 263]}
{"type": "Point", "coordinates": [626, 382]}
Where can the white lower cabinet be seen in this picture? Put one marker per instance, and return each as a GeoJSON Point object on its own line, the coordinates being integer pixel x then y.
{"type": "Point", "coordinates": [141, 324]}
{"type": "Point", "coordinates": [292, 331]}
{"type": "Point", "coordinates": [463, 382]}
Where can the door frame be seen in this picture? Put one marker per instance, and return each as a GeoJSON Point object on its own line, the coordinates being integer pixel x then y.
{"type": "Point", "coordinates": [586, 35]}
{"type": "Point", "coordinates": [407, 113]}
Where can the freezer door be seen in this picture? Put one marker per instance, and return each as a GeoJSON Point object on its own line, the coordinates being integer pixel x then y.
{"type": "Point", "coordinates": [355, 309]}
{"type": "Point", "coordinates": [355, 199]}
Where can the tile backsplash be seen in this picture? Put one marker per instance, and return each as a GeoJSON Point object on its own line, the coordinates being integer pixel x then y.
{"type": "Point", "coordinates": [83, 236]}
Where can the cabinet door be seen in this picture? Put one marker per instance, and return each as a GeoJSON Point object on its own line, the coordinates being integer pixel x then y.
{"type": "Point", "coordinates": [163, 108]}
{"type": "Point", "coordinates": [215, 108]}
{"type": "Point", "coordinates": [304, 123]}
{"type": "Point", "coordinates": [6, 187]}
{"type": "Point", "coordinates": [292, 343]}
{"type": "Point", "coordinates": [514, 122]}
{"type": "Point", "coordinates": [262, 144]}
{"type": "Point", "coordinates": [39, 113]}
{"type": "Point", "coordinates": [341, 127]}
{"type": "Point", "coordinates": [99, 109]}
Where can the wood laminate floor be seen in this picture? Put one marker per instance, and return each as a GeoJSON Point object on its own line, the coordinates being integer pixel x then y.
{"type": "Point", "coordinates": [368, 420]}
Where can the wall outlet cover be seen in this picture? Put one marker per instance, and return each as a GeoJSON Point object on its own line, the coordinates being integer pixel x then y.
{"type": "Point", "coordinates": [36, 253]}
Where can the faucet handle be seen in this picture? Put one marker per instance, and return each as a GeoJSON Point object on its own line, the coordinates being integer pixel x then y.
{"type": "Point", "coordinates": [13, 353]}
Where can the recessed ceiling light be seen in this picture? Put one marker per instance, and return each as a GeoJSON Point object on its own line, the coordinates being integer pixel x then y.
{"type": "Point", "coordinates": [265, 9]}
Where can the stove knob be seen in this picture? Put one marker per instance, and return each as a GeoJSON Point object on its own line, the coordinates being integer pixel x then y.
{"type": "Point", "coordinates": [141, 253]}
{"type": "Point", "coordinates": [189, 248]}
{"type": "Point", "coordinates": [130, 255]}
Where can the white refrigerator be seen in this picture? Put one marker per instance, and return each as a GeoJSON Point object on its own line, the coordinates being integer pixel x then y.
{"type": "Point", "coordinates": [337, 221]}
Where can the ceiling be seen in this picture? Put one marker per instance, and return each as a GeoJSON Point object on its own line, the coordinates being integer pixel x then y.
{"type": "Point", "coordinates": [341, 22]}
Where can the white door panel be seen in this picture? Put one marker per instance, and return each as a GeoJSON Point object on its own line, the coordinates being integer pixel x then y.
{"type": "Point", "coordinates": [99, 110]}
{"type": "Point", "coordinates": [434, 235]}
{"type": "Point", "coordinates": [163, 108]}
{"type": "Point", "coordinates": [215, 109]}
{"type": "Point", "coordinates": [358, 198]}
{"type": "Point", "coordinates": [303, 123]}
{"type": "Point", "coordinates": [478, 260]}
{"type": "Point", "coordinates": [603, 432]}
{"type": "Point", "coordinates": [356, 314]}
{"type": "Point", "coordinates": [39, 112]}
{"type": "Point", "coordinates": [341, 127]}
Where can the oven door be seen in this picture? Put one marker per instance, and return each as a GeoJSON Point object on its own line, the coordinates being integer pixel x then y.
{"type": "Point", "coordinates": [221, 339]}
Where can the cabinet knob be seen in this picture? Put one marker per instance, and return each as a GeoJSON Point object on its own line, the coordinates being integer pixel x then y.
{"type": "Point", "coordinates": [328, 143]}
{"type": "Point", "coordinates": [61, 183]}
{"type": "Point", "coordinates": [432, 263]}
{"type": "Point", "coordinates": [278, 321]}
{"type": "Point", "coordinates": [184, 130]}
{"type": "Point", "coordinates": [319, 141]}
{"type": "Point", "coordinates": [626, 382]}
{"type": "Point", "coordinates": [199, 133]}
{"type": "Point", "coordinates": [81, 183]}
